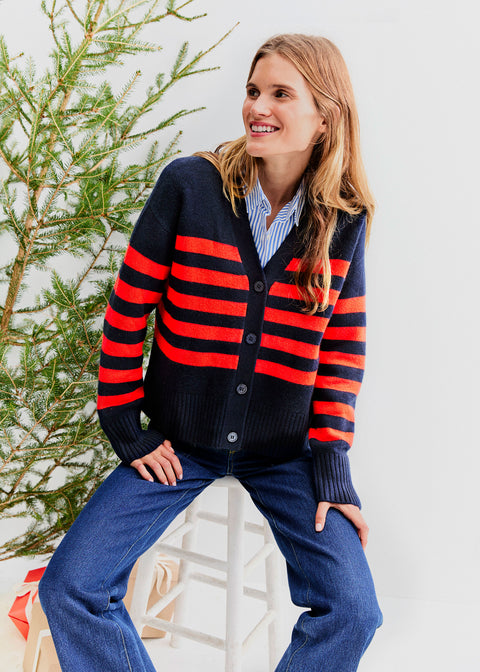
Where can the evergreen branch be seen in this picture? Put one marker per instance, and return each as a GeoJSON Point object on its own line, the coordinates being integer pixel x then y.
{"type": "Point", "coordinates": [80, 198]}
{"type": "Point", "coordinates": [74, 14]}
{"type": "Point", "coordinates": [11, 167]}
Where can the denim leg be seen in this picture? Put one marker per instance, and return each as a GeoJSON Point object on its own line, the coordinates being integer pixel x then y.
{"type": "Point", "coordinates": [327, 572]}
{"type": "Point", "coordinates": [86, 579]}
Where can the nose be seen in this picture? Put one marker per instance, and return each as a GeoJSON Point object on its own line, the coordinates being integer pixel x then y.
{"type": "Point", "coordinates": [260, 106]}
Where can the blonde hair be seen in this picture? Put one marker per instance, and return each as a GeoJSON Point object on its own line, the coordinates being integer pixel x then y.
{"type": "Point", "coordinates": [335, 178]}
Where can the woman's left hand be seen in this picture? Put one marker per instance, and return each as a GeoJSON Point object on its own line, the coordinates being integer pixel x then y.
{"type": "Point", "coordinates": [350, 511]}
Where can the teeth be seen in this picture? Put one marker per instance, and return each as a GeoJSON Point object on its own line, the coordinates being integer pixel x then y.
{"type": "Point", "coordinates": [263, 129]}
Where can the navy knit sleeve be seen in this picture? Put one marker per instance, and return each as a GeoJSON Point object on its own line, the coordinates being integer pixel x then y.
{"type": "Point", "coordinates": [137, 291]}
{"type": "Point", "coordinates": [340, 373]}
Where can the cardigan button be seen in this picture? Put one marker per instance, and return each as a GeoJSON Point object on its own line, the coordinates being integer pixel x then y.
{"type": "Point", "coordinates": [259, 286]}
{"type": "Point", "coordinates": [242, 388]}
{"type": "Point", "coordinates": [251, 338]}
{"type": "Point", "coordinates": [232, 437]}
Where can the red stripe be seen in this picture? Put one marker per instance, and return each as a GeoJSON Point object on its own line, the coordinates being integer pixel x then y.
{"type": "Point", "coordinates": [135, 294]}
{"type": "Point", "coordinates": [339, 384]}
{"type": "Point", "coordinates": [327, 434]}
{"type": "Point", "coordinates": [119, 375]}
{"type": "Point", "coordinates": [289, 291]}
{"type": "Point", "coordinates": [119, 399]}
{"type": "Point", "coordinates": [124, 322]}
{"type": "Point", "coordinates": [143, 264]}
{"type": "Point", "coordinates": [204, 331]}
{"type": "Point", "coordinates": [353, 305]}
{"type": "Point", "coordinates": [208, 277]}
{"type": "Point", "coordinates": [342, 359]}
{"type": "Point", "coordinates": [291, 346]}
{"type": "Point", "coordinates": [285, 372]}
{"type": "Point", "coordinates": [286, 290]}
{"type": "Point", "coordinates": [334, 408]}
{"type": "Point", "coordinates": [208, 247]}
{"type": "Point", "coordinates": [346, 334]}
{"type": "Point", "coordinates": [311, 322]}
{"type": "Point", "coordinates": [192, 358]}
{"type": "Point", "coordinates": [338, 266]}
{"type": "Point", "coordinates": [121, 349]}
{"type": "Point", "coordinates": [204, 305]}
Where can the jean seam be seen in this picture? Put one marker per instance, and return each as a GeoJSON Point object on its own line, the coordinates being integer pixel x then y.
{"type": "Point", "coordinates": [299, 648]}
{"type": "Point", "coordinates": [136, 542]}
{"type": "Point", "coordinates": [121, 636]}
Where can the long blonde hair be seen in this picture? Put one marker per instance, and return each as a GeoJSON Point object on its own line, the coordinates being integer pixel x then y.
{"type": "Point", "coordinates": [335, 177]}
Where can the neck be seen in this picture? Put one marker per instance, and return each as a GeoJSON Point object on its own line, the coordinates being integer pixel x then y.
{"type": "Point", "coordinates": [280, 180]}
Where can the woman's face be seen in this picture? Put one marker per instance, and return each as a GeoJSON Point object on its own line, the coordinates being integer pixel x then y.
{"type": "Point", "coordinates": [279, 112]}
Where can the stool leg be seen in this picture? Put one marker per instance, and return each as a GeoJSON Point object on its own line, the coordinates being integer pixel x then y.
{"type": "Point", "coordinates": [188, 544]}
{"type": "Point", "coordinates": [235, 561]}
{"type": "Point", "coordinates": [273, 576]}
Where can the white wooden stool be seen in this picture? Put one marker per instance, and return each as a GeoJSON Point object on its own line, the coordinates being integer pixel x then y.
{"type": "Point", "coordinates": [235, 569]}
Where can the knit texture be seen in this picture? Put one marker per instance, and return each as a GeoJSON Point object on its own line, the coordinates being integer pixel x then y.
{"type": "Point", "coordinates": [235, 364]}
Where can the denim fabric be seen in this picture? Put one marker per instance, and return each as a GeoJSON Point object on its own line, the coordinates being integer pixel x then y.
{"type": "Point", "coordinates": [85, 581]}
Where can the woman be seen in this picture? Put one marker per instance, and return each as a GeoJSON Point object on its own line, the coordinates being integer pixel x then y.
{"type": "Point", "coordinates": [253, 258]}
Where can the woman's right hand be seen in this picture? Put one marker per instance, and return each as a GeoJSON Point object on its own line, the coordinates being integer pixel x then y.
{"type": "Point", "coordinates": [163, 462]}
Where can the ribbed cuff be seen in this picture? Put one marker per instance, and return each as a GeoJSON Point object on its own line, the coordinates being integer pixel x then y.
{"type": "Point", "coordinates": [333, 481]}
{"type": "Point", "coordinates": [126, 435]}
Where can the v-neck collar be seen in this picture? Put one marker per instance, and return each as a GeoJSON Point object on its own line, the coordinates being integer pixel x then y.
{"type": "Point", "coordinates": [277, 264]}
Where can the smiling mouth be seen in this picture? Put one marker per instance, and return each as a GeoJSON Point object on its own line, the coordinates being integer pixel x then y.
{"type": "Point", "coordinates": [261, 128]}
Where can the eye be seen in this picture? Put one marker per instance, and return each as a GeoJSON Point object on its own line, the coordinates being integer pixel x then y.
{"type": "Point", "coordinates": [252, 92]}
{"type": "Point", "coordinates": [281, 94]}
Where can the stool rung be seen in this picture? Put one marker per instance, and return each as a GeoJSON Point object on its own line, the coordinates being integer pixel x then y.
{"type": "Point", "coordinates": [221, 583]}
{"type": "Point", "coordinates": [182, 630]}
{"type": "Point", "coordinates": [254, 632]}
{"type": "Point", "coordinates": [172, 594]}
{"type": "Point", "coordinates": [255, 528]}
{"type": "Point", "coordinates": [223, 520]}
{"type": "Point", "coordinates": [263, 553]}
{"type": "Point", "coordinates": [212, 517]}
{"type": "Point", "coordinates": [179, 531]}
{"type": "Point", "coordinates": [198, 558]}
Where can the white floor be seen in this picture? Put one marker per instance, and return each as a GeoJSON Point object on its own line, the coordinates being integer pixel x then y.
{"type": "Point", "coordinates": [416, 636]}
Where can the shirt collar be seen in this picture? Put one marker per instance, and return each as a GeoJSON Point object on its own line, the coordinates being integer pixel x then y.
{"type": "Point", "coordinates": [257, 199]}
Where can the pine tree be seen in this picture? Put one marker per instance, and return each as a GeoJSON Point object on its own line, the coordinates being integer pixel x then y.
{"type": "Point", "coordinates": [70, 191]}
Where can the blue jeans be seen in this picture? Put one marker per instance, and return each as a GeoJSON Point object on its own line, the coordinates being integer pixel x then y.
{"type": "Point", "coordinates": [85, 581]}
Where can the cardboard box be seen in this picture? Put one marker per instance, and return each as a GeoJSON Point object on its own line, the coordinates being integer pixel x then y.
{"type": "Point", "coordinates": [164, 578]}
{"type": "Point", "coordinates": [40, 654]}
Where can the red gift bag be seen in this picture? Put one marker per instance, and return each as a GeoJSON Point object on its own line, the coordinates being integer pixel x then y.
{"type": "Point", "coordinates": [21, 609]}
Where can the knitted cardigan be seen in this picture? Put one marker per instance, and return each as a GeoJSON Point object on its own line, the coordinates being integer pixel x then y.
{"type": "Point", "coordinates": [235, 364]}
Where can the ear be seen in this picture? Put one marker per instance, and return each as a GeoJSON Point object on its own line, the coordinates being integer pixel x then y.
{"type": "Point", "coordinates": [322, 125]}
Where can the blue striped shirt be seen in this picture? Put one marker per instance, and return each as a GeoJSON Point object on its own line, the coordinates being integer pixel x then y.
{"type": "Point", "coordinates": [268, 241]}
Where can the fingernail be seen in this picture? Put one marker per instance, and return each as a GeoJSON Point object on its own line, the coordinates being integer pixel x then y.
{"type": "Point", "coordinates": [181, 476]}
{"type": "Point", "coordinates": [174, 483]}
{"type": "Point", "coordinates": [318, 527]}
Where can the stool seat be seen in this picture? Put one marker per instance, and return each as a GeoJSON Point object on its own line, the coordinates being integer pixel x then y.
{"type": "Point", "coordinates": [236, 572]}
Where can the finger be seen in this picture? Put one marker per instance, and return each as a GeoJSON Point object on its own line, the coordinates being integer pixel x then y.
{"type": "Point", "coordinates": [353, 514]}
{"type": "Point", "coordinates": [321, 515]}
{"type": "Point", "coordinates": [156, 465]}
{"type": "Point", "coordinates": [168, 471]}
{"type": "Point", "coordinates": [363, 534]}
{"type": "Point", "coordinates": [167, 444]}
{"type": "Point", "coordinates": [176, 465]}
{"type": "Point", "coordinates": [142, 470]}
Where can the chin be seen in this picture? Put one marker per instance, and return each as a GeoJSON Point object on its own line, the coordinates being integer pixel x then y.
{"type": "Point", "coordinates": [254, 151]}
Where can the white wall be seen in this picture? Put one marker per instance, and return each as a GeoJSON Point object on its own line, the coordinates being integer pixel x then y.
{"type": "Point", "coordinates": [414, 67]}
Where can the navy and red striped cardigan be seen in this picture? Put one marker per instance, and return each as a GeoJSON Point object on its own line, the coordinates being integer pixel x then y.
{"type": "Point", "coordinates": [235, 364]}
